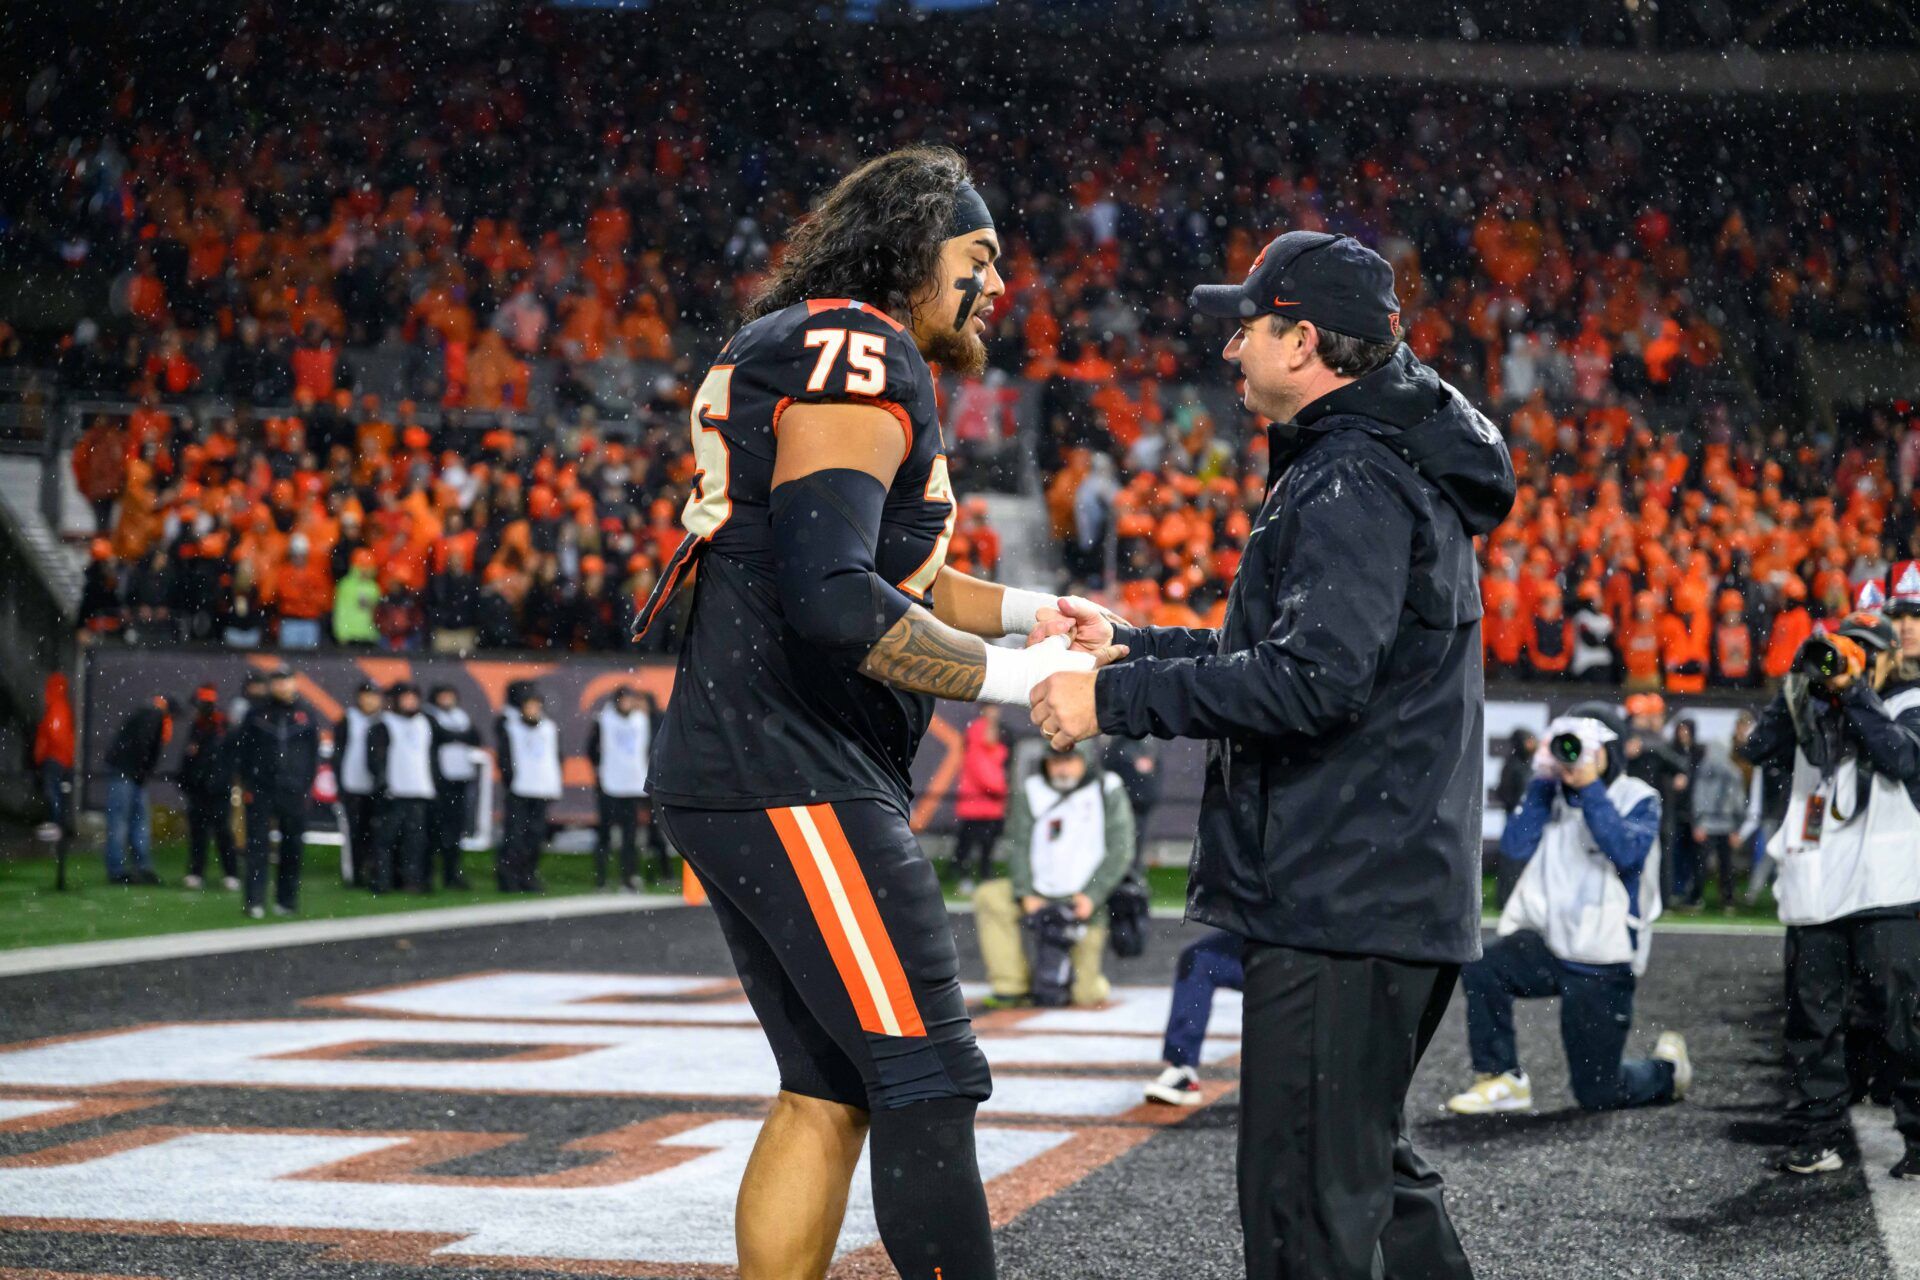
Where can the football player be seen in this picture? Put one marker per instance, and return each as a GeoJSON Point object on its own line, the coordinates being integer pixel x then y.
{"type": "Point", "coordinates": [823, 624]}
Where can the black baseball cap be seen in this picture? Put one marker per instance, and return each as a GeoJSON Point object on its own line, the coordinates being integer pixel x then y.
{"type": "Point", "coordinates": [1870, 630]}
{"type": "Point", "coordinates": [1334, 281]}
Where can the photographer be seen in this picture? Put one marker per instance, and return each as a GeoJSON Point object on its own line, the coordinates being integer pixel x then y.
{"type": "Point", "coordinates": [1848, 718]}
{"type": "Point", "coordinates": [1576, 926]}
{"type": "Point", "coordinates": [1068, 844]}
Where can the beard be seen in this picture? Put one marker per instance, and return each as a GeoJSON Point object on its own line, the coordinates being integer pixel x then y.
{"type": "Point", "coordinates": [957, 351]}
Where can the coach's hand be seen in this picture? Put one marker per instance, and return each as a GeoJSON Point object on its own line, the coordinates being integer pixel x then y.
{"type": "Point", "coordinates": [1063, 707]}
{"type": "Point", "coordinates": [1089, 626]}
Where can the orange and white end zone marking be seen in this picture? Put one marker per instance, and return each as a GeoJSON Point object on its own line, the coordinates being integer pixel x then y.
{"type": "Point", "coordinates": [652, 1198]}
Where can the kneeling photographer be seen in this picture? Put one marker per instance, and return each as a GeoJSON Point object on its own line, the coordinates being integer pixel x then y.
{"type": "Point", "coordinates": [1577, 926]}
{"type": "Point", "coordinates": [1068, 844]}
{"type": "Point", "coordinates": [1848, 719]}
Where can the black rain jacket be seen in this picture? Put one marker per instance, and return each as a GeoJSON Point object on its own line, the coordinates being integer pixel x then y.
{"type": "Point", "coordinates": [1344, 695]}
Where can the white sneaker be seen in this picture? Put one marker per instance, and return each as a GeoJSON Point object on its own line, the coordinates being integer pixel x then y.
{"type": "Point", "coordinates": [230, 883]}
{"type": "Point", "coordinates": [256, 913]}
{"type": "Point", "coordinates": [1672, 1047]}
{"type": "Point", "coordinates": [1177, 1087]}
{"type": "Point", "coordinates": [1507, 1091]}
{"type": "Point", "coordinates": [192, 882]}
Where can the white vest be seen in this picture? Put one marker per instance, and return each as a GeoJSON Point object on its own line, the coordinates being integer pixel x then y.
{"type": "Point", "coordinates": [456, 758]}
{"type": "Point", "coordinates": [536, 758]}
{"type": "Point", "coordinates": [1069, 838]}
{"type": "Point", "coordinates": [1588, 656]}
{"type": "Point", "coordinates": [1869, 860]}
{"type": "Point", "coordinates": [355, 777]}
{"type": "Point", "coordinates": [623, 751]}
{"type": "Point", "coordinates": [1573, 896]}
{"type": "Point", "coordinates": [409, 756]}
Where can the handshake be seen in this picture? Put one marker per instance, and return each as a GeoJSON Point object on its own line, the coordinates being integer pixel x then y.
{"type": "Point", "coordinates": [1068, 639]}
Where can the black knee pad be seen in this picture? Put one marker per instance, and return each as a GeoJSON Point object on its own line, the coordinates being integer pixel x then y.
{"type": "Point", "coordinates": [924, 1069]}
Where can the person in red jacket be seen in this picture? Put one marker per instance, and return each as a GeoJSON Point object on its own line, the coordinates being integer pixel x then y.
{"type": "Point", "coordinates": [1791, 627]}
{"type": "Point", "coordinates": [1685, 646]}
{"type": "Point", "coordinates": [53, 753]}
{"type": "Point", "coordinates": [981, 804]}
{"type": "Point", "coordinates": [1503, 635]}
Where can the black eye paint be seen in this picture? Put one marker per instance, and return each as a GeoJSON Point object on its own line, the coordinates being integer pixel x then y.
{"type": "Point", "coordinates": [970, 287]}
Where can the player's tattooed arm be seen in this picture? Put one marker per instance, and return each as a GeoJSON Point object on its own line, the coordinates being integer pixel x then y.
{"type": "Point", "coordinates": [922, 654]}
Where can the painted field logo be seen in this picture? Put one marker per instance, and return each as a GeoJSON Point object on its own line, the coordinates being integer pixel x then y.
{"type": "Point", "coordinates": [98, 1136]}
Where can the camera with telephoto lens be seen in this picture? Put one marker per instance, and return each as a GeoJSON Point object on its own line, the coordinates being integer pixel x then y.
{"type": "Point", "coordinates": [1821, 659]}
{"type": "Point", "coordinates": [1567, 748]}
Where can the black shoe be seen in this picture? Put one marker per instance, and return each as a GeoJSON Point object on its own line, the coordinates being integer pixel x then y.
{"type": "Point", "coordinates": [122, 879]}
{"type": "Point", "coordinates": [1908, 1169]}
{"type": "Point", "coordinates": [1810, 1158]}
{"type": "Point", "coordinates": [145, 876]}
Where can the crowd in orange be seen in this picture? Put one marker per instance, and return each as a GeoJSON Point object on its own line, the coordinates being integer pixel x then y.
{"type": "Point", "coordinates": [361, 527]}
{"type": "Point", "coordinates": [503, 225]}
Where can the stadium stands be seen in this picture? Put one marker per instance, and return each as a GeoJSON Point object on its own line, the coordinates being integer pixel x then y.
{"type": "Point", "coordinates": [463, 330]}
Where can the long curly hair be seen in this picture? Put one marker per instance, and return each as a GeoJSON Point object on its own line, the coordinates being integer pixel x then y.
{"type": "Point", "coordinates": [875, 237]}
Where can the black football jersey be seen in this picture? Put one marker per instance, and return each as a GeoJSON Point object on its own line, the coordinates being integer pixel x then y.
{"type": "Point", "coordinates": [760, 718]}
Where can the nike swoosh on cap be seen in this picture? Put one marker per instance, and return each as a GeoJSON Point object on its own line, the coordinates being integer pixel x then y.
{"type": "Point", "coordinates": [1278, 303]}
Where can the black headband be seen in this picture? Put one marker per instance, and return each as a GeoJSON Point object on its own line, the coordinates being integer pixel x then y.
{"type": "Point", "coordinates": [969, 212]}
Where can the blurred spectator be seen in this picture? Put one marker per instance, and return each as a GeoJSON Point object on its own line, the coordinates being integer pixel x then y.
{"type": "Point", "coordinates": [1136, 762]}
{"type": "Point", "coordinates": [356, 596]}
{"type": "Point", "coordinates": [527, 746]}
{"type": "Point", "coordinates": [132, 758]}
{"type": "Point", "coordinates": [206, 782]}
{"type": "Point", "coordinates": [1068, 844]}
{"type": "Point", "coordinates": [53, 748]}
{"type": "Point", "coordinates": [100, 467]}
{"type": "Point", "coordinates": [276, 753]}
{"type": "Point", "coordinates": [980, 804]}
{"type": "Point", "coordinates": [1719, 800]}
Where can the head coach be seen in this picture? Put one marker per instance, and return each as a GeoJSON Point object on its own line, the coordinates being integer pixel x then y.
{"type": "Point", "coordinates": [1343, 702]}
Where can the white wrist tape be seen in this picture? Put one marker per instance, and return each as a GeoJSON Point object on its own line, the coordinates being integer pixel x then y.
{"type": "Point", "coordinates": [1020, 610]}
{"type": "Point", "coordinates": [1012, 673]}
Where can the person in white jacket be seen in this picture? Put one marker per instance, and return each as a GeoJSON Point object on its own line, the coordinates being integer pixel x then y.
{"type": "Point", "coordinates": [1576, 926]}
{"type": "Point", "coordinates": [1849, 879]}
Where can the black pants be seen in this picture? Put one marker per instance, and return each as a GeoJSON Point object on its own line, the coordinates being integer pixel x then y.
{"type": "Point", "coordinates": [1717, 859]}
{"type": "Point", "coordinates": [447, 826]}
{"type": "Point", "coordinates": [1330, 1186]}
{"type": "Point", "coordinates": [1862, 968]}
{"type": "Point", "coordinates": [973, 847]}
{"type": "Point", "coordinates": [209, 822]}
{"type": "Point", "coordinates": [622, 812]}
{"type": "Point", "coordinates": [289, 814]}
{"type": "Point", "coordinates": [516, 864]}
{"type": "Point", "coordinates": [362, 838]}
{"type": "Point", "coordinates": [401, 861]}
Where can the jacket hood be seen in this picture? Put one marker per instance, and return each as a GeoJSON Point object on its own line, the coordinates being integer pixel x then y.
{"type": "Point", "coordinates": [1086, 751]}
{"type": "Point", "coordinates": [1428, 423]}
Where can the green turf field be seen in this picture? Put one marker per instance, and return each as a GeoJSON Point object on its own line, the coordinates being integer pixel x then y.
{"type": "Point", "coordinates": [91, 910]}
